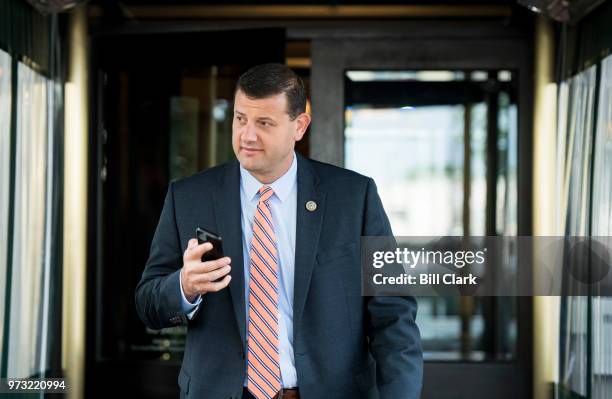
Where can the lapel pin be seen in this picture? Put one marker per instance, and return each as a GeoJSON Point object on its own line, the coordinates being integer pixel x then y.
{"type": "Point", "coordinates": [311, 206]}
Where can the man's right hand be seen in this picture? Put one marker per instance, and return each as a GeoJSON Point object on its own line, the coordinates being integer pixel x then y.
{"type": "Point", "coordinates": [199, 277]}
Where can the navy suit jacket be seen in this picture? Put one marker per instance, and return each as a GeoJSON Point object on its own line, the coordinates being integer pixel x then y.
{"type": "Point", "coordinates": [345, 345]}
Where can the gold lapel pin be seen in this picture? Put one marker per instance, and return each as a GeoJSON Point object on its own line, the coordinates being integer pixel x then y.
{"type": "Point", "coordinates": [311, 206]}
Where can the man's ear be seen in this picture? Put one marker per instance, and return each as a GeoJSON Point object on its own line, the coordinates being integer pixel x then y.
{"type": "Point", "coordinates": [302, 122]}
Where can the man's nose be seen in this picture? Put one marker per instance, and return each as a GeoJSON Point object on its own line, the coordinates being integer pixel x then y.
{"type": "Point", "coordinates": [250, 133]}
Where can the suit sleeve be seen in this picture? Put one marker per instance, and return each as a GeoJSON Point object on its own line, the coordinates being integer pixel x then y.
{"type": "Point", "coordinates": [158, 294]}
{"type": "Point", "coordinates": [394, 337]}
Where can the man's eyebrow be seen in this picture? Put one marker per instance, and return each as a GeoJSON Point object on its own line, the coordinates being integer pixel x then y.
{"type": "Point", "coordinates": [238, 112]}
{"type": "Point", "coordinates": [266, 118]}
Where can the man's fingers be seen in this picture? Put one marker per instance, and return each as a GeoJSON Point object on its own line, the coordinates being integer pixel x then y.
{"type": "Point", "coordinates": [213, 275]}
{"type": "Point", "coordinates": [209, 266]}
{"type": "Point", "coordinates": [217, 286]}
{"type": "Point", "coordinates": [196, 251]}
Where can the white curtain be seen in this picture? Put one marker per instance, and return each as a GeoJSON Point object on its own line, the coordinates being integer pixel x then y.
{"type": "Point", "coordinates": [5, 162]}
{"type": "Point", "coordinates": [602, 227]}
{"type": "Point", "coordinates": [30, 196]}
{"type": "Point", "coordinates": [577, 174]}
{"type": "Point", "coordinates": [582, 89]}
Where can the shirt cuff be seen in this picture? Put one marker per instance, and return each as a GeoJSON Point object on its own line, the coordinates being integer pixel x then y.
{"type": "Point", "coordinates": [188, 307]}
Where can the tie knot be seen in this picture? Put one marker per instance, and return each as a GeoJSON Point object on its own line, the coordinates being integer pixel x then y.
{"type": "Point", "coordinates": [265, 192]}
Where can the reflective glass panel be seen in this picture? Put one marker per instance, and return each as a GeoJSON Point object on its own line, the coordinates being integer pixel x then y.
{"type": "Point", "coordinates": [429, 139]}
{"type": "Point", "coordinates": [28, 294]}
{"type": "Point", "coordinates": [5, 161]}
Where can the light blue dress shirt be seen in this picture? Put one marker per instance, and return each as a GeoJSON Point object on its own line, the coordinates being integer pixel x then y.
{"type": "Point", "coordinates": [284, 207]}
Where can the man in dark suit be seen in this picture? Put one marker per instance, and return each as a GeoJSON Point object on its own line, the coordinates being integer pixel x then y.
{"type": "Point", "coordinates": [281, 315]}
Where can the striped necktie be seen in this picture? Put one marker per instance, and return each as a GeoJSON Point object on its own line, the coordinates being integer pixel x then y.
{"type": "Point", "coordinates": [263, 363]}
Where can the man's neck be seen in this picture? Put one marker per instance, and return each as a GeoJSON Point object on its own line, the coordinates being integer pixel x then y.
{"type": "Point", "coordinates": [272, 177]}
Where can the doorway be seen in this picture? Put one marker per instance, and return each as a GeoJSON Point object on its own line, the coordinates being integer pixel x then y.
{"type": "Point", "coordinates": [443, 126]}
{"type": "Point", "coordinates": [162, 111]}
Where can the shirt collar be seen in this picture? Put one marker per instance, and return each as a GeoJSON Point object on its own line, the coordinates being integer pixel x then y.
{"type": "Point", "coordinates": [281, 186]}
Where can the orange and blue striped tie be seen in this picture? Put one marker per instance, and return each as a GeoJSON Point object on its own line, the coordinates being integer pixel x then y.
{"type": "Point", "coordinates": [263, 362]}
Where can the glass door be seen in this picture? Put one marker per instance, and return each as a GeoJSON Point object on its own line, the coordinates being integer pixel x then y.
{"type": "Point", "coordinates": [424, 138]}
{"type": "Point", "coordinates": [443, 126]}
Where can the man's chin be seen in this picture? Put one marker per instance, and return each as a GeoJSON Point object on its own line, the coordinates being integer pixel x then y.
{"type": "Point", "coordinates": [249, 163]}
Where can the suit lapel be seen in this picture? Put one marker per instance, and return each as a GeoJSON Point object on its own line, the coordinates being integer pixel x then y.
{"type": "Point", "coordinates": [308, 229]}
{"type": "Point", "coordinates": [228, 213]}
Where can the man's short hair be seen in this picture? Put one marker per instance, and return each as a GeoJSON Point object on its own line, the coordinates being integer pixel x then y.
{"type": "Point", "coordinates": [268, 80]}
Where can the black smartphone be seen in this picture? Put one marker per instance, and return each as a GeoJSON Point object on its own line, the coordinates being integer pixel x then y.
{"type": "Point", "coordinates": [217, 250]}
{"type": "Point", "coordinates": [206, 236]}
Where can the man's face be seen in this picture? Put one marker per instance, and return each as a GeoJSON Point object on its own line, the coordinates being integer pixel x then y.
{"type": "Point", "coordinates": [264, 136]}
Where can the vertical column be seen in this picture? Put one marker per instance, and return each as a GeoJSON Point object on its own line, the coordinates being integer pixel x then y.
{"type": "Point", "coordinates": [545, 308]}
{"type": "Point", "coordinates": [75, 206]}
